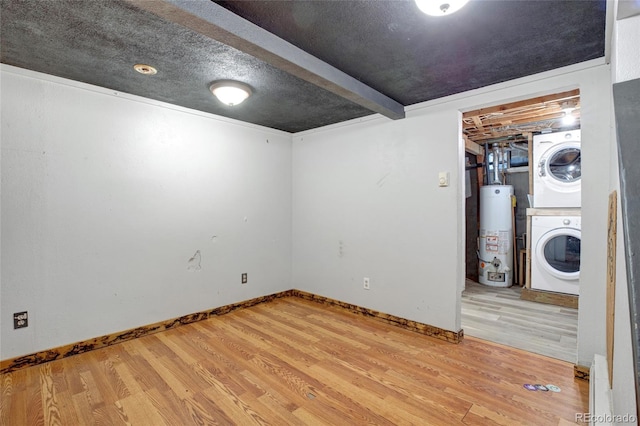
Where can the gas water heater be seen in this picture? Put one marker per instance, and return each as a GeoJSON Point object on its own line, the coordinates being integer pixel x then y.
{"type": "Point", "coordinates": [495, 251]}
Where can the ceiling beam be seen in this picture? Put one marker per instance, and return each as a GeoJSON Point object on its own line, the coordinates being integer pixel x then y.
{"type": "Point", "coordinates": [472, 147]}
{"type": "Point", "coordinates": [214, 21]}
{"type": "Point", "coordinates": [477, 122]}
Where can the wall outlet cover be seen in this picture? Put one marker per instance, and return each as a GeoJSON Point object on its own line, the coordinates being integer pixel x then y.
{"type": "Point", "coordinates": [20, 320]}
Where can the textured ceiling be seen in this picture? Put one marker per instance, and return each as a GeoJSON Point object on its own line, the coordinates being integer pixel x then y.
{"type": "Point", "coordinates": [360, 50]}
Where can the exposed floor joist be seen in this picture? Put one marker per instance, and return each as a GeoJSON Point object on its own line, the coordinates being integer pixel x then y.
{"type": "Point", "coordinates": [214, 21]}
{"type": "Point", "coordinates": [515, 119]}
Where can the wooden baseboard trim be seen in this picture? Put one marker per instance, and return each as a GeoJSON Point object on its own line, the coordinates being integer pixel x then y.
{"type": "Point", "coordinates": [13, 364]}
{"type": "Point", "coordinates": [429, 330]}
{"type": "Point", "coordinates": [41, 357]}
{"type": "Point", "coordinates": [581, 372]}
{"type": "Point", "coordinates": [550, 298]}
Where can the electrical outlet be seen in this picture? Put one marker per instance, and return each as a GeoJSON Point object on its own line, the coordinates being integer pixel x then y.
{"type": "Point", "coordinates": [366, 283]}
{"type": "Point", "coordinates": [244, 278]}
{"type": "Point", "coordinates": [20, 320]}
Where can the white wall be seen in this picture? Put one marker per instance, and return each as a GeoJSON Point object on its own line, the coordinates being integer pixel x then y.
{"type": "Point", "coordinates": [367, 203]}
{"type": "Point", "coordinates": [625, 52]}
{"type": "Point", "coordinates": [625, 66]}
{"type": "Point", "coordinates": [595, 122]}
{"type": "Point", "coordinates": [106, 197]}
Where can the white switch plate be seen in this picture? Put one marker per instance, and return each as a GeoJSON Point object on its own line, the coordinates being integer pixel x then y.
{"type": "Point", "coordinates": [443, 179]}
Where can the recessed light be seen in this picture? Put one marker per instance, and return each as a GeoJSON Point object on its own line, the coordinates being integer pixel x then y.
{"type": "Point", "coordinates": [145, 69]}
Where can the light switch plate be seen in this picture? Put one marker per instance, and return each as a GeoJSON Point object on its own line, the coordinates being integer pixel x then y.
{"type": "Point", "coordinates": [443, 179]}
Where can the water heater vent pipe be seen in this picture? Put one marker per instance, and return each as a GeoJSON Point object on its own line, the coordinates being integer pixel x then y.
{"type": "Point", "coordinates": [496, 164]}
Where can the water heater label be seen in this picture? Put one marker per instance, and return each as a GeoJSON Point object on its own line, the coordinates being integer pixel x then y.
{"type": "Point", "coordinates": [497, 242]}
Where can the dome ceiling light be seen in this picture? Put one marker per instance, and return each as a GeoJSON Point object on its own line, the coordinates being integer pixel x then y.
{"type": "Point", "coordinates": [230, 92]}
{"type": "Point", "coordinates": [440, 7]}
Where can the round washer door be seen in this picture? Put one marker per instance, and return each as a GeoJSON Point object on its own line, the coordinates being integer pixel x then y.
{"type": "Point", "coordinates": [559, 253]}
{"type": "Point", "coordinates": [560, 166]}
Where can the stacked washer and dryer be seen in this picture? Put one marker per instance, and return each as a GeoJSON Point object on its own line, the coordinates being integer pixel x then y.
{"type": "Point", "coordinates": [555, 218]}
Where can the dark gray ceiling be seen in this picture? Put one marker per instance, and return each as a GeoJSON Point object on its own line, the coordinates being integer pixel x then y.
{"type": "Point", "coordinates": [343, 59]}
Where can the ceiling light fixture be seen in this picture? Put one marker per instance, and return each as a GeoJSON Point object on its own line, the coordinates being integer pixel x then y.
{"type": "Point", "coordinates": [440, 7]}
{"type": "Point", "coordinates": [568, 118]}
{"type": "Point", "coordinates": [145, 69]}
{"type": "Point", "coordinates": [567, 107]}
{"type": "Point", "coordinates": [230, 92]}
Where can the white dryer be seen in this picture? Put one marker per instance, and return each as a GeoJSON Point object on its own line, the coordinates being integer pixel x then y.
{"type": "Point", "coordinates": [556, 170]}
{"type": "Point", "coordinates": [555, 253]}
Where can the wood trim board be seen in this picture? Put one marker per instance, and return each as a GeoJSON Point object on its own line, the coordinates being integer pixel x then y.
{"type": "Point", "coordinates": [429, 330]}
{"type": "Point", "coordinates": [549, 297]}
{"type": "Point", "coordinates": [611, 279]}
{"type": "Point", "coordinates": [581, 372]}
{"type": "Point", "coordinates": [60, 352]}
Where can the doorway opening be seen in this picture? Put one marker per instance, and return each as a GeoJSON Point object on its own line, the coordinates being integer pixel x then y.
{"type": "Point", "coordinates": [499, 302]}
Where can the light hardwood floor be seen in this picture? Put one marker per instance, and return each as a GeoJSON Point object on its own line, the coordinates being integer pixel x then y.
{"type": "Point", "coordinates": [292, 361]}
{"type": "Point", "coordinates": [499, 315]}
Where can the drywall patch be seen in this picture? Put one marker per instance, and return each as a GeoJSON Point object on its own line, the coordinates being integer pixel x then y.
{"type": "Point", "coordinates": [194, 263]}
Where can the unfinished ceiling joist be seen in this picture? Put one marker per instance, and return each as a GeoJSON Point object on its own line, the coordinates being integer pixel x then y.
{"type": "Point", "coordinates": [212, 20]}
{"type": "Point", "coordinates": [472, 147]}
{"type": "Point", "coordinates": [514, 119]}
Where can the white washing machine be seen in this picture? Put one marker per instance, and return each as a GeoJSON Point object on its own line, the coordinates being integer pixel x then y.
{"type": "Point", "coordinates": [557, 170]}
{"type": "Point", "coordinates": [555, 253]}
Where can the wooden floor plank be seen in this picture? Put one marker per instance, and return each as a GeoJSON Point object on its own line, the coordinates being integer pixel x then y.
{"type": "Point", "coordinates": [13, 404]}
{"type": "Point", "coordinates": [203, 411]}
{"type": "Point", "coordinates": [48, 393]}
{"type": "Point", "coordinates": [499, 315]}
{"type": "Point", "coordinates": [294, 361]}
{"type": "Point", "coordinates": [479, 415]}
{"type": "Point", "coordinates": [169, 405]}
{"type": "Point", "coordinates": [411, 412]}
{"type": "Point", "coordinates": [139, 409]}
{"type": "Point", "coordinates": [307, 418]}
{"type": "Point", "coordinates": [275, 396]}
